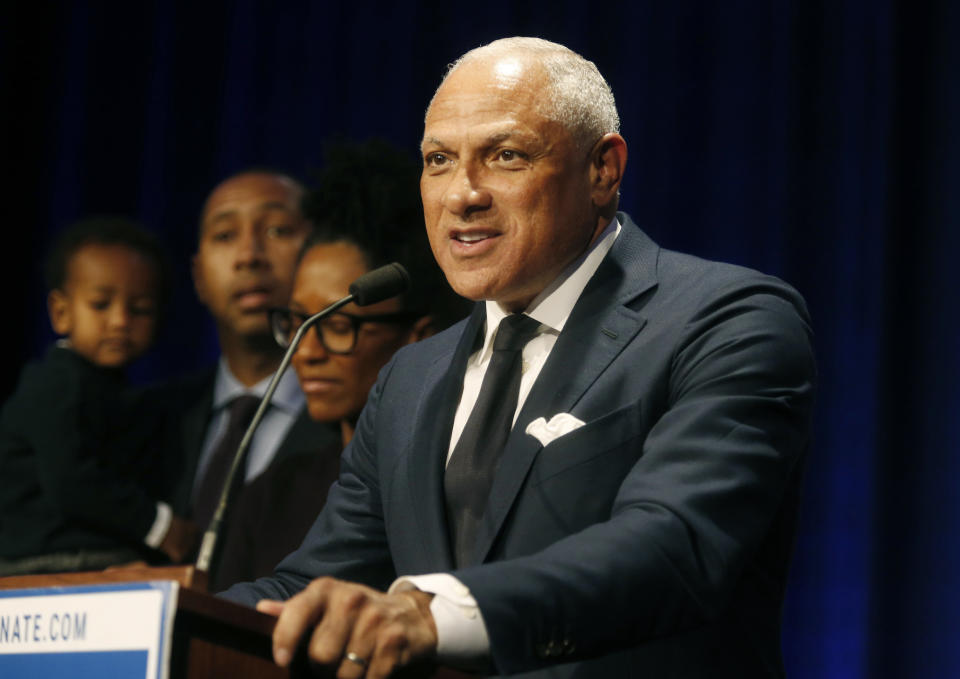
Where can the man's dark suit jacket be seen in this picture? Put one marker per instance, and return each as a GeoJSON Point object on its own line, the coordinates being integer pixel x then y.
{"type": "Point", "coordinates": [273, 514]}
{"type": "Point", "coordinates": [191, 403]}
{"type": "Point", "coordinates": [653, 541]}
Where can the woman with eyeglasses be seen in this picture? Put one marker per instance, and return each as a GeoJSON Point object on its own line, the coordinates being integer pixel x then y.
{"type": "Point", "coordinates": [337, 363]}
{"type": "Point", "coordinates": [366, 213]}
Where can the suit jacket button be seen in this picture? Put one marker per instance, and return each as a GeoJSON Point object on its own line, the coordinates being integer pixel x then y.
{"type": "Point", "coordinates": [542, 650]}
{"type": "Point", "coordinates": [568, 647]}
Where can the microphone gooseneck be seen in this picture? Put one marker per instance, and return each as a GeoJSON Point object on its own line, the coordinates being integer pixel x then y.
{"type": "Point", "coordinates": [372, 287]}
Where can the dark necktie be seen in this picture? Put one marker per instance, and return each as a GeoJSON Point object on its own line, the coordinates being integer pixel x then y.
{"type": "Point", "coordinates": [470, 471]}
{"type": "Point", "coordinates": [206, 495]}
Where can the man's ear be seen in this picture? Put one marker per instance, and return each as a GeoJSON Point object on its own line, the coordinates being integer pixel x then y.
{"type": "Point", "coordinates": [608, 160]}
{"type": "Point", "coordinates": [58, 307]}
{"type": "Point", "coordinates": [422, 328]}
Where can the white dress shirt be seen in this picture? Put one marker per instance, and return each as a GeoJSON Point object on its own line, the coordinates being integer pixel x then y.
{"type": "Point", "coordinates": [461, 631]}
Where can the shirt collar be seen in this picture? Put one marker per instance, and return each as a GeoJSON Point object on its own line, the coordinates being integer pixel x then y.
{"type": "Point", "coordinates": [553, 306]}
{"type": "Point", "coordinates": [226, 387]}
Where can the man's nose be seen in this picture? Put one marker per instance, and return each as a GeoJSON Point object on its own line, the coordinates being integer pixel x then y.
{"type": "Point", "coordinates": [250, 247]}
{"type": "Point", "coordinates": [465, 194]}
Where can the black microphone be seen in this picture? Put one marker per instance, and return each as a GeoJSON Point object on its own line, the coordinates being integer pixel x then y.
{"type": "Point", "coordinates": [372, 287]}
{"type": "Point", "coordinates": [380, 284]}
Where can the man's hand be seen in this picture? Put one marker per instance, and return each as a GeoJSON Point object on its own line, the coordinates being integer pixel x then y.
{"type": "Point", "coordinates": [181, 539]}
{"type": "Point", "coordinates": [356, 630]}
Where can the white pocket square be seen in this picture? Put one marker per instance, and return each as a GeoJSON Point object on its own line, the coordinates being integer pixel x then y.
{"type": "Point", "coordinates": [559, 424]}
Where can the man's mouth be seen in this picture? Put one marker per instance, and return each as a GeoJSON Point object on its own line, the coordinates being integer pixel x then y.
{"type": "Point", "coordinates": [253, 298]}
{"type": "Point", "coordinates": [472, 238]}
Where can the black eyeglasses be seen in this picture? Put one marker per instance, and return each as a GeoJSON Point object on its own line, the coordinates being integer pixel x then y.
{"type": "Point", "coordinates": [337, 332]}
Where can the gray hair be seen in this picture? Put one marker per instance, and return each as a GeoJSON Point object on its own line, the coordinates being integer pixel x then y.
{"type": "Point", "coordinates": [580, 99]}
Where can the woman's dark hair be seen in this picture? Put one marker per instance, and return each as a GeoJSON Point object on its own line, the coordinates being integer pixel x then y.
{"type": "Point", "coordinates": [368, 195]}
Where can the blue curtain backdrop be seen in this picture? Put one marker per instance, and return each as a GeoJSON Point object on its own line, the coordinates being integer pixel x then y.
{"type": "Point", "coordinates": [805, 138]}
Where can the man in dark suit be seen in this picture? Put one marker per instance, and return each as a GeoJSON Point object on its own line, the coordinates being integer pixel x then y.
{"type": "Point", "coordinates": [638, 517]}
{"type": "Point", "coordinates": [251, 231]}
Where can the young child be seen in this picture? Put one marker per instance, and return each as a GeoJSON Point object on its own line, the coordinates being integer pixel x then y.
{"type": "Point", "coordinates": [75, 452]}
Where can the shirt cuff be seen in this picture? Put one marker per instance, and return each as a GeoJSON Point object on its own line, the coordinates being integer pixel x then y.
{"type": "Point", "coordinates": [462, 638]}
{"type": "Point", "coordinates": [161, 525]}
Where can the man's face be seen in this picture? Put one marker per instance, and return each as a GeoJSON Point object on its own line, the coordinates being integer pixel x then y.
{"type": "Point", "coordinates": [108, 305]}
{"type": "Point", "coordinates": [250, 234]}
{"type": "Point", "coordinates": [506, 192]}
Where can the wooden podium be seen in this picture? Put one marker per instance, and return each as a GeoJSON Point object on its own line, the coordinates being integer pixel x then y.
{"type": "Point", "coordinates": [211, 637]}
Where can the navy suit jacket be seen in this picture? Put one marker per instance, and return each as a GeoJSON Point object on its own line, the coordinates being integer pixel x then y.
{"type": "Point", "coordinates": [651, 542]}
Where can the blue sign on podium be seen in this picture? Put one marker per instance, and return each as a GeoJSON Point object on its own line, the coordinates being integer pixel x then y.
{"type": "Point", "coordinates": [112, 630]}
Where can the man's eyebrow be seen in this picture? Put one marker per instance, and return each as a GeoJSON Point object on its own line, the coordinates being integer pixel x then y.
{"type": "Point", "coordinates": [489, 141]}
{"type": "Point", "coordinates": [495, 139]}
{"type": "Point", "coordinates": [219, 216]}
{"type": "Point", "coordinates": [430, 140]}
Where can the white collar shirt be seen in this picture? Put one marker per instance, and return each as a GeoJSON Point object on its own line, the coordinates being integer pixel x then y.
{"type": "Point", "coordinates": [552, 308]}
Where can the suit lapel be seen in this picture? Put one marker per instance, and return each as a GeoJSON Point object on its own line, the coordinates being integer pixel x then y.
{"type": "Point", "coordinates": [443, 384]}
{"type": "Point", "coordinates": [192, 428]}
{"type": "Point", "coordinates": [600, 326]}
